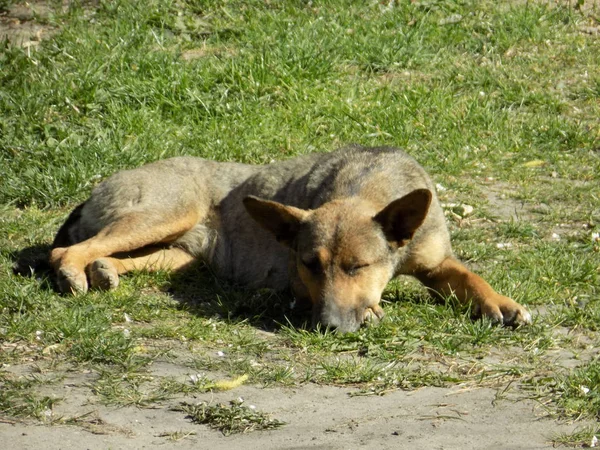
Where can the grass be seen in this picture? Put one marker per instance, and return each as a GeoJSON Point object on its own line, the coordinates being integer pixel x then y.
{"type": "Point", "coordinates": [499, 102]}
{"type": "Point", "coordinates": [235, 418]}
{"type": "Point", "coordinates": [18, 400]}
{"type": "Point", "coordinates": [584, 437]}
{"type": "Point", "coordinates": [578, 393]}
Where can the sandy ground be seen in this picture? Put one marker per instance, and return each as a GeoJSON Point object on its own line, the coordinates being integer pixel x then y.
{"type": "Point", "coordinates": [317, 417]}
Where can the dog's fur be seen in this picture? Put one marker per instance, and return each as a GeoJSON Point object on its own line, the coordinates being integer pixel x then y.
{"type": "Point", "coordinates": [335, 227]}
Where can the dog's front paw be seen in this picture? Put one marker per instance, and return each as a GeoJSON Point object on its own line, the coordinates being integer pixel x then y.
{"type": "Point", "coordinates": [372, 315]}
{"type": "Point", "coordinates": [504, 310]}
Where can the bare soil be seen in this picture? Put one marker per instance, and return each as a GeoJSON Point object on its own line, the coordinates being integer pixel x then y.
{"type": "Point", "coordinates": [25, 24]}
{"type": "Point", "coordinates": [320, 417]}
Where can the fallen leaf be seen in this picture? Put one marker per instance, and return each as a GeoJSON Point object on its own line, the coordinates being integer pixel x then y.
{"type": "Point", "coordinates": [534, 163]}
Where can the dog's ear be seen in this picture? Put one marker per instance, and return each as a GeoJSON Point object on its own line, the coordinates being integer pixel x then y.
{"type": "Point", "coordinates": [401, 218]}
{"type": "Point", "coordinates": [281, 220]}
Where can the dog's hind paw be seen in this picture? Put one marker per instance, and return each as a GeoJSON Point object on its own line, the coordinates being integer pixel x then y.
{"type": "Point", "coordinates": [103, 275]}
{"type": "Point", "coordinates": [71, 281]}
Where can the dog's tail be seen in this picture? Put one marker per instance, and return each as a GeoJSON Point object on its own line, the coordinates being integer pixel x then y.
{"type": "Point", "coordinates": [63, 237]}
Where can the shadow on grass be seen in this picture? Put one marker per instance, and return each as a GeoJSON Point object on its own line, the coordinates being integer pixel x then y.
{"type": "Point", "coordinates": [32, 261]}
{"type": "Point", "coordinates": [201, 292]}
{"type": "Point", "coordinates": [197, 290]}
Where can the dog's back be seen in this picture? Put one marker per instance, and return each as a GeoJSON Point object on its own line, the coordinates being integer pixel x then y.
{"type": "Point", "coordinates": [249, 254]}
{"type": "Point", "coordinates": [378, 174]}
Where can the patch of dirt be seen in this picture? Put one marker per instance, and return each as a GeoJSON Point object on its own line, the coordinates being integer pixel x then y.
{"type": "Point", "coordinates": [206, 51]}
{"type": "Point", "coordinates": [317, 417]}
{"type": "Point", "coordinates": [506, 208]}
{"type": "Point", "coordinates": [25, 25]}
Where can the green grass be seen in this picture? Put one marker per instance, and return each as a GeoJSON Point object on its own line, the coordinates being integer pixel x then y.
{"type": "Point", "coordinates": [235, 418]}
{"type": "Point", "coordinates": [578, 393]}
{"type": "Point", "coordinates": [503, 101]}
{"type": "Point", "coordinates": [18, 400]}
{"type": "Point", "coordinates": [582, 437]}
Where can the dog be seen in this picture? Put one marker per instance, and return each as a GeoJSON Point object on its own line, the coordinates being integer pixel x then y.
{"type": "Point", "coordinates": [334, 227]}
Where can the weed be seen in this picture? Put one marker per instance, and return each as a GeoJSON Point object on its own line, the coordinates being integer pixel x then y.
{"type": "Point", "coordinates": [582, 437]}
{"type": "Point", "coordinates": [17, 400]}
{"type": "Point", "coordinates": [235, 418]}
{"type": "Point", "coordinates": [578, 393]}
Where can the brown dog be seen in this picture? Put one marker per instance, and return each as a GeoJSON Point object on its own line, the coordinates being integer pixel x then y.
{"type": "Point", "coordinates": [336, 227]}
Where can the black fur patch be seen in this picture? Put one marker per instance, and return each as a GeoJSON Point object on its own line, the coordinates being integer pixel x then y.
{"type": "Point", "coordinates": [62, 238]}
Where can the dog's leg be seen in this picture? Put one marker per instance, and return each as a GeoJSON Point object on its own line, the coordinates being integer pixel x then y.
{"type": "Point", "coordinates": [104, 272]}
{"type": "Point", "coordinates": [130, 232]}
{"type": "Point", "coordinates": [452, 277]}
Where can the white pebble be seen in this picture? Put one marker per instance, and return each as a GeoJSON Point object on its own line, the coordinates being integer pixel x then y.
{"type": "Point", "coordinates": [467, 209]}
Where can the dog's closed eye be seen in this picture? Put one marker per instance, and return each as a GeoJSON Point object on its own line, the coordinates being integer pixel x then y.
{"type": "Point", "coordinates": [353, 270]}
{"type": "Point", "coordinates": [313, 265]}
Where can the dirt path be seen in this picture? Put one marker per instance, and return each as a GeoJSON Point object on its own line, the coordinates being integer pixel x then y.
{"type": "Point", "coordinates": [320, 417]}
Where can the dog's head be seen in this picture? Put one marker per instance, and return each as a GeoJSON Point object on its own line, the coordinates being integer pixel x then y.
{"type": "Point", "coordinates": [346, 250]}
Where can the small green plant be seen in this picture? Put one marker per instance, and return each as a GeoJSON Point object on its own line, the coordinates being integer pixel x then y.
{"type": "Point", "coordinates": [235, 418]}
{"type": "Point", "coordinates": [5, 4]}
{"type": "Point", "coordinates": [577, 394]}
{"type": "Point", "coordinates": [582, 437]}
{"type": "Point", "coordinates": [17, 400]}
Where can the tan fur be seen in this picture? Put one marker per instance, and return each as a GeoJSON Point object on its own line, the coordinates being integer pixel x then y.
{"type": "Point", "coordinates": [453, 278]}
{"type": "Point", "coordinates": [71, 263]}
{"type": "Point", "coordinates": [427, 255]}
{"type": "Point", "coordinates": [334, 227]}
